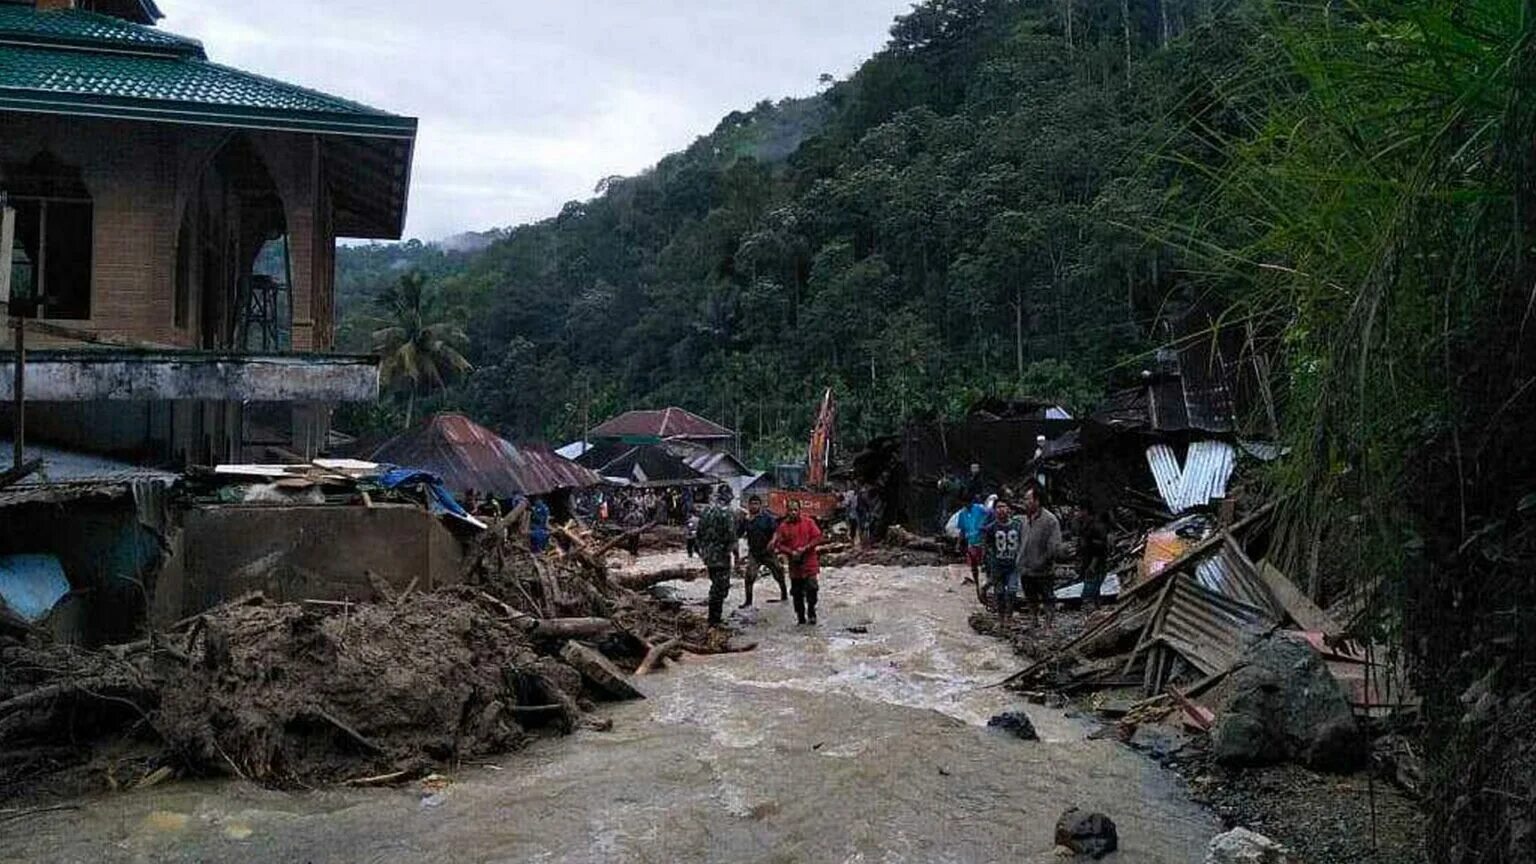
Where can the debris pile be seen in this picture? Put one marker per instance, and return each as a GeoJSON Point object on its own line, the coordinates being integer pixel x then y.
{"type": "Point", "coordinates": [299, 693]}
{"type": "Point", "coordinates": [1191, 630]}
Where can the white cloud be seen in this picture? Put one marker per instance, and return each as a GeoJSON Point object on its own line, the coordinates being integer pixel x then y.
{"type": "Point", "coordinates": [526, 104]}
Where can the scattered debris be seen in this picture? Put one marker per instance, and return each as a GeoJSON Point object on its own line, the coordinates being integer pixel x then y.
{"type": "Point", "coordinates": [1241, 846]}
{"type": "Point", "coordinates": [1091, 834]}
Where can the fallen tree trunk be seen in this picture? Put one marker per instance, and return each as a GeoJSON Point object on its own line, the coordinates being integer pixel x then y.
{"type": "Point", "coordinates": [642, 581]}
{"type": "Point", "coordinates": [572, 628]}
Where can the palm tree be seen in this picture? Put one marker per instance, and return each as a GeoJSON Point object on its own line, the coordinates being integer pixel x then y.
{"type": "Point", "coordinates": [418, 354]}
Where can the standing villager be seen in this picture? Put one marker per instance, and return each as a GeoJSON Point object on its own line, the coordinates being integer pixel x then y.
{"type": "Point", "coordinates": [759, 527]}
{"type": "Point", "coordinates": [1093, 552]}
{"type": "Point", "coordinates": [1039, 548]}
{"type": "Point", "coordinates": [718, 549]}
{"type": "Point", "coordinates": [691, 534]}
{"type": "Point", "coordinates": [538, 525]}
{"type": "Point", "coordinates": [1003, 537]}
{"type": "Point", "coordinates": [634, 521]}
{"type": "Point", "coordinates": [796, 539]}
{"type": "Point", "coordinates": [973, 523]}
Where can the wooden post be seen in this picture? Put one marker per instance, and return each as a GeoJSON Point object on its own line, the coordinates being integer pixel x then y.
{"type": "Point", "coordinates": [19, 358]}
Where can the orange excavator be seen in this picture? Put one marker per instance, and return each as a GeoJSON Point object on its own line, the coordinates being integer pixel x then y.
{"type": "Point", "coordinates": [816, 500]}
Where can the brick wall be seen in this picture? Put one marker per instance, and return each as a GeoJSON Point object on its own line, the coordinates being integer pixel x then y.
{"type": "Point", "coordinates": [141, 176]}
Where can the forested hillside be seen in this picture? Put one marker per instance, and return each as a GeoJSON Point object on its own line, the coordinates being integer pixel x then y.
{"type": "Point", "coordinates": [948, 222]}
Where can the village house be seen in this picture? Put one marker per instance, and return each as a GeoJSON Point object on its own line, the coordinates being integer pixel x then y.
{"type": "Point", "coordinates": [175, 223]}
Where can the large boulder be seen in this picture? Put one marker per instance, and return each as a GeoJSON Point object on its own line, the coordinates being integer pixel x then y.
{"type": "Point", "coordinates": [1284, 705]}
{"type": "Point", "coordinates": [1241, 846]}
{"type": "Point", "coordinates": [1091, 834]}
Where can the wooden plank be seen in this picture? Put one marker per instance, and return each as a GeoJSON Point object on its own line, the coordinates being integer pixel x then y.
{"type": "Point", "coordinates": [1306, 614]}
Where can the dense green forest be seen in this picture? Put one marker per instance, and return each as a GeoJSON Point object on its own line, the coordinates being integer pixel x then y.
{"type": "Point", "coordinates": [1006, 200]}
{"type": "Point", "coordinates": [941, 225]}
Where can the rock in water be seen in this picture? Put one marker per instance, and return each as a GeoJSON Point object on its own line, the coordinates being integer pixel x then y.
{"type": "Point", "coordinates": [1284, 704]}
{"type": "Point", "coordinates": [1015, 723]}
{"type": "Point", "coordinates": [596, 668]}
{"type": "Point", "coordinates": [1091, 834]}
{"type": "Point", "coordinates": [1241, 846]}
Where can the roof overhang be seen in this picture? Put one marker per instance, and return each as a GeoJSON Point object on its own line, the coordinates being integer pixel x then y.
{"type": "Point", "coordinates": [367, 158]}
{"type": "Point", "coordinates": [81, 376]}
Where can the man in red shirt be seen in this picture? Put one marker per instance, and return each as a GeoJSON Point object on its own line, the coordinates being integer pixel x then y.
{"type": "Point", "coordinates": [797, 539]}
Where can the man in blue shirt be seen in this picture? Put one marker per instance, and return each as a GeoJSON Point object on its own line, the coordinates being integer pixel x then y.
{"type": "Point", "coordinates": [973, 524]}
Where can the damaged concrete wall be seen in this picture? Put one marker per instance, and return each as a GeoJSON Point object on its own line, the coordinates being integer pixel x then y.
{"type": "Point", "coordinates": [306, 552]}
{"type": "Point", "coordinates": [70, 376]}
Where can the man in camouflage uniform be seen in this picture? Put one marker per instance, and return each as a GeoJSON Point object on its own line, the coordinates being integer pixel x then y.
{"type": "Point", "coordinates": [717, 547]}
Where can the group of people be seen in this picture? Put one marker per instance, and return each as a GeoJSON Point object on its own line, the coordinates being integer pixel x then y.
{"type": "Point", "coordinates": [782, 547]}
{"type": "Point", "coordinates": [1012, 556]}
{"type": "Point", "coordinates": [633, 507]}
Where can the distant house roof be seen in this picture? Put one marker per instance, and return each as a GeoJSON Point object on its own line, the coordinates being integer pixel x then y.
{"type": "Point", "coordinates": [660, 425]}
{"type": "Point", "coordinates": [715, 463]}
{"type": "Point", "coordinates": [469, 456]}
{"type": "Point", "coordinates": [86, 64]}
{"type": "Point", "coordinates": [642, 465]}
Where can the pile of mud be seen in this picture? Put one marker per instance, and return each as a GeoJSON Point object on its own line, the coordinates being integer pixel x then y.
{"type": "Point", "coordinates": [299, 694]}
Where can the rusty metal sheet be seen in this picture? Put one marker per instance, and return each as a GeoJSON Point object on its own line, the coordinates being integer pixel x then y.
{"type": "Point", "coordinates": [468, 456]}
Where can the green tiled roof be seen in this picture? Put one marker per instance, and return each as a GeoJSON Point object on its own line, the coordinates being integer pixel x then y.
{"type": "Point", "coordinates": [88, 29]}
{"type": "Point", "coordinates": [81, 63]}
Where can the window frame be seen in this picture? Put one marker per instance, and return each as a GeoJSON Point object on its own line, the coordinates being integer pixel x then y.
{"type": "Point", "coordinates": [40, 275]}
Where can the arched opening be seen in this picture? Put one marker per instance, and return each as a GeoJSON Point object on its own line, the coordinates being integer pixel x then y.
{"type": "Point", "coordinates": [232, 275]}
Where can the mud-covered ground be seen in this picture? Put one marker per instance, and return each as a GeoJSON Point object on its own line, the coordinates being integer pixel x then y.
{"type": "Point", "coordinates": [863, 739]}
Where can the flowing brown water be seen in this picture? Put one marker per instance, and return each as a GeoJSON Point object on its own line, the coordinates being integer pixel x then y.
{"type": "Point", "coordinates": [823, 745]}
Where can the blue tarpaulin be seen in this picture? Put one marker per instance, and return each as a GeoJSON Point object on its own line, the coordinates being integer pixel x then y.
{"type": "Point", "coordinates": [31, 585]}
{"type": "Point", "coordinates": [439, 499]}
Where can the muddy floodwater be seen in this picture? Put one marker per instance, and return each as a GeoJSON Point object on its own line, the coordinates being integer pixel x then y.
{"type": "Point", "coordinates": [824, 745]}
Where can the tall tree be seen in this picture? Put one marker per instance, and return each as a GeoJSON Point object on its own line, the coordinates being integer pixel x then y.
{"type": "Point", "coordinates": [419, 352]}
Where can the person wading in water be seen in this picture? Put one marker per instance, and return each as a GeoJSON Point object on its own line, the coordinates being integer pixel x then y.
{"type": "Point", "coordinates": [797, 539]}
{"type": "Point", "coordinates": [759, 528]}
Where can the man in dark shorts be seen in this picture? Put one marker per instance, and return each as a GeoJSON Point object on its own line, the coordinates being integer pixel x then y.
{"type": "Point", "coordinates": [1002, 538]}
{"type": "Point", "coordinates": [759, 528]}
{"type": "Point", "coordinates": [1040, 546]}
{"type": "Point", "coordinates": [796, 539]}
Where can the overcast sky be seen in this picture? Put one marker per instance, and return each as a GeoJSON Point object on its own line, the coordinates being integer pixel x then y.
{"type": "Point", "coordinates": [526, 104]}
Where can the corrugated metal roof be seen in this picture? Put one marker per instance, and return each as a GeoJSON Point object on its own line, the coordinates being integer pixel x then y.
{"type": "Point", "coordinates": [468, 456]}
{"type": "Point", "coordinates": [1228, 572]}
{"type": "Point", "coordinates": [1207, 467]}
{"type": "Point", "coordinates": [642, 464]}
{"type": "Point", "coordinates": [1206, 628]}
{"type": "Point", "coordinates": [661, 425]}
